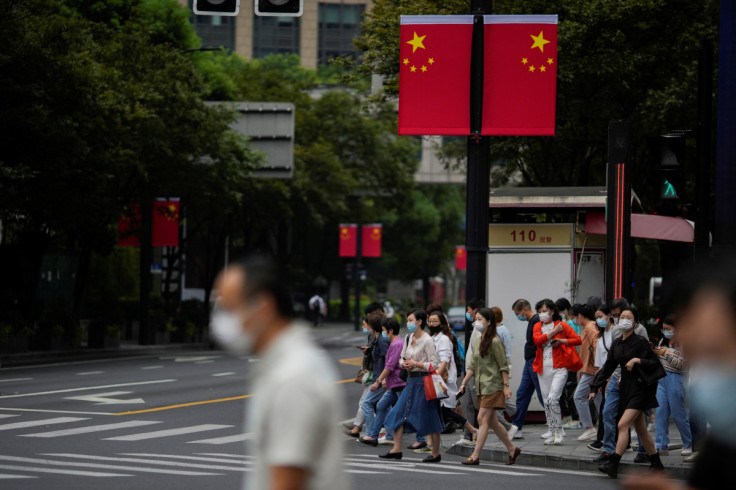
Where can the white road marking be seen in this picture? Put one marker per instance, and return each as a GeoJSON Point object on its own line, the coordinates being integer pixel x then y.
{"type": "Point", "coordinates": [229, 373]}
{"type": "Point", "coordinates": [32, 469]}
{"type": "Point", "coordinates": [150, 461]}
{"type": "Point", "coordinates": [4, 416]}
{"type": "Point", "coordinates": [204, 362]}
{"type": "Point", "coordinates": [90, 372]}
{"type": "Point", "coordinates": [105, 398]}
{"type": "Point", "coordinates": [14, 379]}
{"type": "Point", "coordinates": [151, 367]}
{"type": "Point", "coordinates": [190, 358]}
{"type": "Point", "coordinates": [225, 455]}
{"type": "Point", "coordinates": [55, 411]}
{"type": "Point", "coordinates": [395, 467]}
{"type": "Point", "coordinates": [89, 388]}
{"type": "Point", "coordinates": [193, 458]}
{"type": "Point", "coordinates": [412, 463]}
{"type": "Point", "coordinates": [12, 477]}
{"type": "Point", "coordinates": [92, 428]}
{"type": "Point", "coordinates": [362, 472]}
{"type": "Point", "coordinates": [35, 423]}
{"type": "Point", "coordinates": [49, 462]}
{"type": "Point", "coordinates": [168, 432]}
{"type": "Point", "coordinates": [224, 440]}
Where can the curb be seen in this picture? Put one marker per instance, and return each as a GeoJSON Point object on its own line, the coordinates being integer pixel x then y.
{"type": "Point", "coordinates": [27, 359]}
{"type": "Point", "coordinates": [542, 460]}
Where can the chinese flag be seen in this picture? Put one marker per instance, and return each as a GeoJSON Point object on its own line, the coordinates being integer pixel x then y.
{"type": "Point", "coordinates": [372, 240]}
{"type": "Point", "coordinates": [434, 75]}
{"type": "Point", "coordinates": [461, 258]}
{"type": "Point", "coordinates": [348, 240]}
{"type": "Point", "coordinates": [520, 78]}
{"type": "Point", "coordinates": [165, 232]}
{"type": "Point", "coordinates": [129, 227]}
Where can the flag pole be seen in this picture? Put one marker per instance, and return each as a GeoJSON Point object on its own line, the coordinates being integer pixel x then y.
{"type": "Point", "coordinates": [478, 172]}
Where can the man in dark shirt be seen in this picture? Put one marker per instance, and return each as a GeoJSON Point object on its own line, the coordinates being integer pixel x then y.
{"type": "Point", "coordinates": [529, 381]}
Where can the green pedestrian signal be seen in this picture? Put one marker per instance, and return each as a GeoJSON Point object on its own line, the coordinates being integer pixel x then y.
{"type": "Point", "coordinates": [669, 189]}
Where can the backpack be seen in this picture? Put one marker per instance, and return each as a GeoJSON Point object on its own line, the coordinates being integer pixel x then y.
{"type": "Point", "coordinates": [458, 352]}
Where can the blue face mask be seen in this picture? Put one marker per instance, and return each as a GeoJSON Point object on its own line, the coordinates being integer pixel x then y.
{"type": "Point", "coordinates": [384, 335]}
{"type": "Point", "coordinates": [365, 331]}
{"type": "Point", "coordinates": [521, 317]}
{"type": "Point", "coordinates": [602, 322]}
{"type": "Point", "coordinates": [712, 392]}
{"type": "Point", "coordinates": [668, 334]}
{"type": "Point", "coordinates": [468, 317]}
{"type": "Point", "coordinates": [411, 327]}
{"type": "Point", "coordinates": [573, 322]}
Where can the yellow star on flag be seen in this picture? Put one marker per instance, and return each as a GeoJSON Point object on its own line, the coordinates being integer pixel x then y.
{"type": "Point", "coordinates": [406, 61]}
{"type": "Point", "coordinates": [550, 61]}
{"type": "Point", "coordinates": [539, 41]}
{"type": "Point", "coordinates": [542, 68]}
{"type": "Point", "coordinates": [524, 61]}
{"type": "Point", "coordinates": [413, 68]}
{"type": "Point", "coordinates": [430, 61]}
{"type": "Point", "coordinates": [418, 42]}
{"type": "Point", "coordinates": [424, 68]}
{"type": "Point", "coordinates": [531, 68]}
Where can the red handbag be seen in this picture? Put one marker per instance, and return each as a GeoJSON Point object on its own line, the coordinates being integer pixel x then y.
{"type": "Point", "coordinates": [434, 386]}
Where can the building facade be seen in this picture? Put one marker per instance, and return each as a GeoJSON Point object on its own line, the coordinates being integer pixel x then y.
{"type": "Point", "coordinates": [325, 30]}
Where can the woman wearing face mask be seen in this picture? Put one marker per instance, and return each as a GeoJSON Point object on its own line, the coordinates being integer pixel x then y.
{"type": "Point", "coordinates": [555, 341]}
{"type": "Point", "coordinates": [367, 365]}
{"type": "Point", "coordinates": [604, 323]}
{"type": "Point", "coordinates": [413, 413]}
{"type": "Point", "coordinates": [490, 368]}
{"type": "Point", "coordinates": [584, 316]}
{"type": "Point", "coordinates": [632, 353]}
{"type": "Point", "coordinates": [671, 391]}
{"type": "Point", "coordinates": [378, 358]}
{"type": "Point", "coordinates": [469, 396]}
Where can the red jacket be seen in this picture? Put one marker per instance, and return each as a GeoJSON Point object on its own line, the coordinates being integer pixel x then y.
{"type": "Point", "coordinates": [565, 356]}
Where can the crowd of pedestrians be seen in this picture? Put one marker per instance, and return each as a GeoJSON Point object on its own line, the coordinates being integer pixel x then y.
{"type": "Point", "coordinates": [591, 365]}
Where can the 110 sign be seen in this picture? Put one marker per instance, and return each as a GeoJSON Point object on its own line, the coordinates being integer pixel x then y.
{"type": "Point", "coordinates": [502, 235]}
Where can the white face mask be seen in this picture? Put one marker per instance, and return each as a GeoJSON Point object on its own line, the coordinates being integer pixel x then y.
{"type": "Point", "coordinates": [479, 326]}
{"type": "Point", "coordinates": [545, 317]}
{"type": "Point", "coordinates": [625, 324]}
{"type": "Point", "coordinates": [227, 329]}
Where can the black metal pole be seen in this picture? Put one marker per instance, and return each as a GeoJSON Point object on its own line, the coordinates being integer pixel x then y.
{"type": "Point", "coordinates": [356, 275]}
{"type": "Point", "coordinates": [618, 211]}
{"type": "Point", "coordinates": [146, 331]}
{"type": "Point", "coordinates": [702, 179]}
{"type": "Point", "coordinates": [479, 160]}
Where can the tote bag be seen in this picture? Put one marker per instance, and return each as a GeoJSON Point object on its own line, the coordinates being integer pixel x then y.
{"type": "Point", "coordinates": [434, 387]}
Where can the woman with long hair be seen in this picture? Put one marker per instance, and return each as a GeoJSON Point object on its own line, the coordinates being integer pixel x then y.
{"type": "Point", "coordinates": [637, 361]}
{"type": "Point", "coordinates": [556, 355]}
{"type": "Point", "coordinates": [490, 368]}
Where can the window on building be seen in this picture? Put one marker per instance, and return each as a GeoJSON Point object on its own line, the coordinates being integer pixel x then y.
{"type": "Point", "coordinates": [215, 31]}
{"type": "Point", "coordinates": [339, 24]}
{"type": "Point", "coordinates": [275, 35]}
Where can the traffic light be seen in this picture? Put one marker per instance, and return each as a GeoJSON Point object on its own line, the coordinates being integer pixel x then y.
{"type": "Point", "coordinates": [279, 8]}
{"type": "Point", "coordinates": [671, 166]}
{"type": "Point", "coordinates": [216, 7]}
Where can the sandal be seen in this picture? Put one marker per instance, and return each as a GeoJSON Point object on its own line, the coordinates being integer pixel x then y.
{"type": "Point", "coordinates": [471, 462]}
{"type": "Point", "coordinates": [512, 457]}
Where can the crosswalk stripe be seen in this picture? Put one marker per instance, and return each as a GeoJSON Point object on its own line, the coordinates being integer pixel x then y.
{"type": "Point", "coordinates": [168, 432]}
{"type": "Point", "coordinates": [14, 477]}
{"type": "Point", "coordinates": [35, 423]}
{"type": "Point", "coordinates": [48, 462]}
{"type": "Point", "coordinates": [192, 458]}
{"type": "Point", "coordinates": [224, 440]}
{"type": "Point", "coordinates": [33, 469]}
{"type": "Point", "coordinates": [4, 416]}
{"type": "Point", "coordinates": [92, 428]}
{"type": "Point", "coordinates": [150, 462]}
{"type": "Point", "coordinates": [14, 379]}
{"type": "Point", "coordinates": [364, 472]}
{"type": "Point", "coordinates": [393, 467]}
{"type": "Point", "coordinates": [411, 463]}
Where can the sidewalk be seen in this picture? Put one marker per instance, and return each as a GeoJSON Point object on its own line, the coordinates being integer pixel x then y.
{"type": "Point", "coordinates": [573, 454]}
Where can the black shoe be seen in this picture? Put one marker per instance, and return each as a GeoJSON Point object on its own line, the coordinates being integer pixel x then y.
{"type": "Point", "coordinates": [352, 434]}
{"type": "Point", "coordinates": [369, 442]}
{"type": "Point", "coordinates": [656, 463]}
{"type": "Point", "coordinates": [432, 459]}
{"type": "Point", "coordinates": [596, 446]}
{"type": "Point", "coordinates": [417, 445]}
{"type": "Point", "coordinates": [611, 466]}
{"type": "Point", "coordinates": [603, 458]}
{"type": "Point", "coordinates": [642, 458]}
{"type": "Point", "coordinates": [390, 455]}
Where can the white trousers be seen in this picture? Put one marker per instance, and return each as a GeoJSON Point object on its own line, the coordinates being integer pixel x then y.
{"type": "Point", "coordinates": [552, 382]}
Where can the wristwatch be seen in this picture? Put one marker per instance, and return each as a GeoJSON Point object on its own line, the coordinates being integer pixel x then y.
{"type": "Point", "coordinates": [506, 384]}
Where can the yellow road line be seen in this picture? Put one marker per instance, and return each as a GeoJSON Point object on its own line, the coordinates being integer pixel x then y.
{"type": "Point", "coordinates": [203, 402]}
{"type": "Point", "coordinates": [352, 361]}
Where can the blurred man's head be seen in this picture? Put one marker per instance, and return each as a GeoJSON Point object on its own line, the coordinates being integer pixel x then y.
{"type": "Point", "coordinates": [252, 306]}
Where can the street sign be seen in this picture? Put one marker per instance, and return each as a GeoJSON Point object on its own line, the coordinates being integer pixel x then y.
{"type": "Point", "coordinates": [270, 128]}
{"type": "Point", "coordinates": [530, 235]}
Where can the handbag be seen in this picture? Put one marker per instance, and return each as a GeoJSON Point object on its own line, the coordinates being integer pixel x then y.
{"type": "Point", "coordinates": [404, 374]}
{"type": "Point", "coordinates": [434, 387]}
{"type": "Point", "coordinates": [650, 376]}
{"type": "Point", "coordinates": [359, 376]}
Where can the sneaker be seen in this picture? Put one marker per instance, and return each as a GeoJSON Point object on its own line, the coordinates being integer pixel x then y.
{"type": "Point", "coordinates": [466, 442]}
{"type": "Point", "coordinates": [692, 458]}
{"type": "Point", "coordinates": [512, 431]}
{"type": "Point", "coordinates": [518, 435]}
{"type": "Point", "coordinates": [547, 435]}
{"type": "Point", "coordinates": [651, 427]}
{"type": "Point", "coordinates": [642, 458]}
{"type": "Point", "coordinates": [382, 441]}
{"type": "Point", "coordinates": [588, 435]}
{"type": "Point", "coordinates": [573, 424]}
{"type": "Point", "coordinates": [687, 451]}
{"type": "Point", "coordinates": [596, 446]}
{"type": "Point", "coordinates": [602, 458]}
{"type": "Point", "coordinates": [566, 420]}
{"type": "Point", "coordinates": [382, 433]}
{"type": "Point", "coordinates": [425, 449]}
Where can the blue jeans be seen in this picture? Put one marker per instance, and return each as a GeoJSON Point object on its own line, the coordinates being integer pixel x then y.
{"type": "Point", "coordinates": [671, 399]}
{"type": "Point", "coordinates": [529, 383]}
{"type": "Point", "coordinates": [610, 418]}
{"type": "Point", "coordinates": [369, 408]}
{"type": "Point", "coordinates": [384, 406]}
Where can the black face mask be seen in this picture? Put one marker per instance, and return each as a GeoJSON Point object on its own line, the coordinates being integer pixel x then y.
{"type": "Point", "coordinates": [435, 330]}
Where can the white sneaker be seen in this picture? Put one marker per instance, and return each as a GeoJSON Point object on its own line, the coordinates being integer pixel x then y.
{"type": "Point", "coordinates": [573, 424]}
{"type": "Point", "coordinates": [512, 431]}
{"type": "Point", "coordinates": [382, 441]}
{"type": "Point", "coordinates": [547, 435]}
{"type": "Point", "coordinates": [687, 451]}
{"type": "Point", "coordinates": [518, 435]}
{"type": "Point", "coordinates": [588, 435]}
{"type": "Point", "coordinates": [559, 437]}
{"type": "Point", "coordinates": [651, 427]}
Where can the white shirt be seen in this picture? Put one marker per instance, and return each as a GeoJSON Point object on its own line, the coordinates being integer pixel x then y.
{"type": "Point", "coordinates": [601, 353]}
{"type": "Point", "coordinates": [293, 414]}
{"type": "Point", "coordinates": [547, 347]}
{"type": "Point", "coordinates": [443, 347]}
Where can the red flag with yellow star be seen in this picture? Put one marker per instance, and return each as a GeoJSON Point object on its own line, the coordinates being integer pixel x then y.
{"type": "Point", "coordinates": [372, 240]}
{"type": "Point", "coordinates": [348, 240]}
{"type": "Point", "coordinates": [434, 75]}
{"type": "Point", "coordinates": [520, 79]}
{"type": "Point", "coordinates": [165, 230]}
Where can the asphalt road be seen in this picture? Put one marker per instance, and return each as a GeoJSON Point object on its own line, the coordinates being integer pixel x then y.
{"type": "Point", "coordinates": [175, 421]}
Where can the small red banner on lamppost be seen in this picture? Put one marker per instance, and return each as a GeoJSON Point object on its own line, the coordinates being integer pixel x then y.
{"type": "Point", "coordinates": [372, 240]}
{"type": "Point", "coordinates": [461, 258]}
{"type": "Point", "coordinates": [348, 240]}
